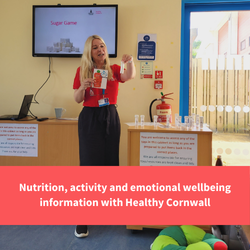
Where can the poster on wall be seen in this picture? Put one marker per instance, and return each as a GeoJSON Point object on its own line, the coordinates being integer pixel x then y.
{"type": "Point", "coordinates": [159, 74]}
{"type": "Point", "coordinates": [168, 149]}
{"type": "Point", "coordinates": [18, 139]}
{"type": "Point", "coordinates": [146, 47]}
{"type": "Point", "coordinates": [146, 69]}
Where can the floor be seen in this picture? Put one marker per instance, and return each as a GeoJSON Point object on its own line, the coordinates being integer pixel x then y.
{"type": "Point", "coordinates": [100, 238]}
{"type": "Point", "coordinates": [62, 237]}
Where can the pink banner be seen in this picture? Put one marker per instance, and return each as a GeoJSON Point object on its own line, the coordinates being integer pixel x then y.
{"type": "Point", "coordinates": [125, 195]}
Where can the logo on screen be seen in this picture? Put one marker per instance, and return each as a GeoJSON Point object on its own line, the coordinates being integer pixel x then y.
{"type": "Point", "coordinates": [91, 13]}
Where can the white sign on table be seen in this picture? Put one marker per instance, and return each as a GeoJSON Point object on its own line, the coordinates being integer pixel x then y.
{"type": "Point", "coordinates": [168, 149]}
{"type": "Point", "coordinates": [18, 139]}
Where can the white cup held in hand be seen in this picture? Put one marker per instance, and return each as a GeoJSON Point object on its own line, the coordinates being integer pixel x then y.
{"type": "Point", "coordinates": [59, 112]}
{"type": "Point", "coordinates": [122, 68]}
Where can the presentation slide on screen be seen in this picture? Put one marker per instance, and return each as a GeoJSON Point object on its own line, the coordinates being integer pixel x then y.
{"type": "Point", "coordinates": [124, 195]}
{"type": "Point", "coordinates": [65, 30]}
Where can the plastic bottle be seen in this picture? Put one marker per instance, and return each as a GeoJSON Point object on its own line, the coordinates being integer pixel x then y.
{"type": "Point", "coordinates": [218, 161]}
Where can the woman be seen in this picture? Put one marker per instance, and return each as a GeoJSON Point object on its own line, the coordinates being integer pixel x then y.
{"type": "Point", "coordinates": [99, 126]}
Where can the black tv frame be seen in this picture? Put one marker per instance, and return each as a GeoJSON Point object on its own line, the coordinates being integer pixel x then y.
{"type": "Point", "coordinates": [55, 54]}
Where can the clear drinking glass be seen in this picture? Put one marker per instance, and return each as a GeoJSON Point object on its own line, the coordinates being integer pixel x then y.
{"type": "Point", "coordinates": [186, 120]}
{"type": "Point", "coordinates": [197, 121]}
{"type": "Point", "coordinates": [155, 120]}
{"type": "Point", "coordinates": [176, 120]}
{"type": "Point", "coordinates": [179, 120]}
{"type": "Point", "coordinates": [191, 122]}
{"type": "Point", "coordinates": [201, 122]}
{"type": "Point", "coordinates": [142, 120]}
{"type": "Point", "coordinates": [167, 121]}
{"type": "Point", "coordinates": [136, 120]}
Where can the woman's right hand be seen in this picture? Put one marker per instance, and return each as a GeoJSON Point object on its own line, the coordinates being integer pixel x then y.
{"type": "Point", "coordinates": [79, 94]}
{"type": "Point", "coordinates": [89, 82]}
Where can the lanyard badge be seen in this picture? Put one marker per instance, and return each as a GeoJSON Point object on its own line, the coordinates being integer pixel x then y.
{"type": "Point", "coordinates": [104, 101]}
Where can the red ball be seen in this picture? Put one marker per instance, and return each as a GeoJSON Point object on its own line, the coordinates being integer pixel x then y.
{"type": "Point", "coordinates": [219, 245]}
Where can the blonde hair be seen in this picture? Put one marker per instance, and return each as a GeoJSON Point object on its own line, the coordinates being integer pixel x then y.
{"type": "Point", "coordinates": [87, 63]}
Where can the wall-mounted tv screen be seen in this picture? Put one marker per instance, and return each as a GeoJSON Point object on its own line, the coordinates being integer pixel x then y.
{"type": "Point", "coordinates": [61, 30]}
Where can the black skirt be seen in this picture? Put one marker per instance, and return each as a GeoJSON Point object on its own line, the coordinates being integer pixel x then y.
{"type": "Point", "coordinates": [99, 132]}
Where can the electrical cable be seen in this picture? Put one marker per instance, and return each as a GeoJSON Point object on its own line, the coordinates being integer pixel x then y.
{"type": "Point", "coordinates": [43, 84]}
{"type": "Point", "coordinates": [35, 101]}
{"type": "Point", "coordinates": [32, 115]}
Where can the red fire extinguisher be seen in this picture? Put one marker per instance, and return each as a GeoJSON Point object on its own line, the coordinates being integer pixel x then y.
{"type": "Point", "coordinates": [162, 109]}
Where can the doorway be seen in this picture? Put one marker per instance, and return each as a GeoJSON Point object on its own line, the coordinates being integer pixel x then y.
{"type": "Point", "coordinates": [219, 77]}
{"type": "Point", "coordinates": [220, 80]}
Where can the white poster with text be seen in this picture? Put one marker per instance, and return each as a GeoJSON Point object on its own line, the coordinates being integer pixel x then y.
{"type": "Point", "coordinates": [168, 149]}
{"type": "Point", "coordinates": [18, 139]}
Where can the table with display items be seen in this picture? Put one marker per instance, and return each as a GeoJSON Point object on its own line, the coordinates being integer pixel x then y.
{"type": "Point", "coordinates": [204, 154]}
{"type": "Point", "coordinates": [204, 142]}
{"type": "Point", "coordinates": [57, 144]}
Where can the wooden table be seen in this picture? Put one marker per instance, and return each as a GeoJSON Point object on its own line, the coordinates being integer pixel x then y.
{"type": "Point", "coordinates": [204, 141]}
{"type": "Point", "coordinates": [204, 155]}
{"type": "Point", "coordinates": [57, 144]}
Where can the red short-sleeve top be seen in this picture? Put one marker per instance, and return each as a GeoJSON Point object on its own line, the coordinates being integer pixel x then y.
{"type": "Point", "coordinates": [111, 91]}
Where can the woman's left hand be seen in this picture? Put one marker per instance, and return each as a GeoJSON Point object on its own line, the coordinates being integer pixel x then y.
{"type": "Point", "coordinates": [127, 58]}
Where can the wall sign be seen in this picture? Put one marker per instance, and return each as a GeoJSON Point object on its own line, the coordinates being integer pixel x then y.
{"type": "Point", "coordinates": [146, 47]}
{"type": "Point", "coordinates": [146, 69]}
{"type": "Point", "coordinates": [159, 74]}
{"type": "Point", "coordinates": [168, 149]}
{"type": "Point", "coordinates": [18, 139]}
{"type": "Point", "coordinates": [158, 84]}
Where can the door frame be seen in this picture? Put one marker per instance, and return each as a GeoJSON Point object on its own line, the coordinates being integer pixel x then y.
{"type": "Point", "coordinates": [187, 7]}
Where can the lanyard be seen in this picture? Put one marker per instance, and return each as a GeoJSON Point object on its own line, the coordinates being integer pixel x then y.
{"type": "Point", "coordinates": [91, 92]}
